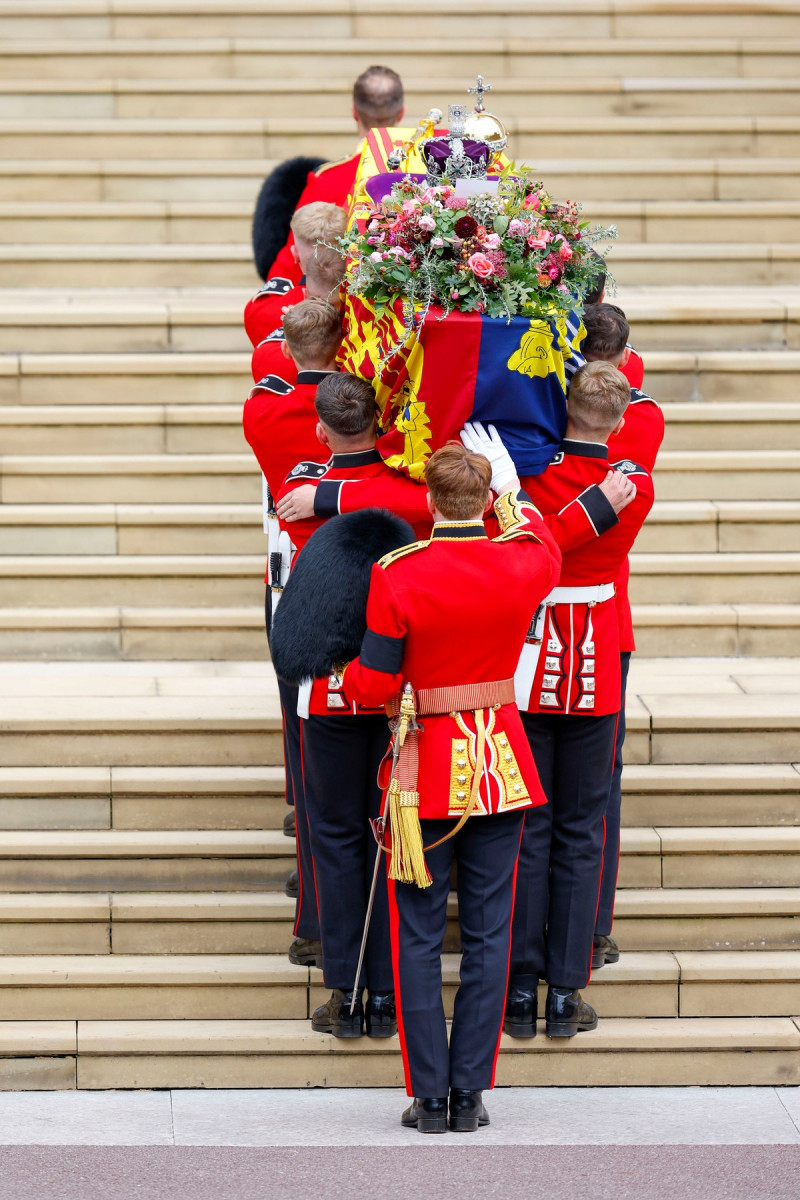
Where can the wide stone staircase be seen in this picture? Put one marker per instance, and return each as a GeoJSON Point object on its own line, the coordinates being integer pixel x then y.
{"type": "Point", "coordinates": [143, 926]}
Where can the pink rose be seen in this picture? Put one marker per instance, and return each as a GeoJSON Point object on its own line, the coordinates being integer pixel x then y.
{"type": "Point", "coordinates": [409, 206]}
{"type": "Point", "coordinates": [562, 287]}
{"type": "Point", "coordinates": [454, 294]}
{"type": "Point", "coordinates": [437, 242]}
{"type": "Point", "coordinates": [427, 222]}
{"type": "Point", "coordinates": [517, 228]}
{"type": "Point", "coordinates": [532, 201]}
{"type": "Point", "coordinates": [492, 241]}
{"type": "Point", "coordinates": [565, 250]}
{"type": "Point", "coordinates": [480, 265]}
{"type": "Point", "coordinates": [377, 256]}
{"type": "Point", "coordinates": [543, 233]}
{"type": "Point", "coordinates": [536, 243]}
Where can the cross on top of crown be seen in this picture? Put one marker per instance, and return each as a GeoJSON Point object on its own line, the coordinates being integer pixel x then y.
{"type": "Point", "coordinates": [478, 92]}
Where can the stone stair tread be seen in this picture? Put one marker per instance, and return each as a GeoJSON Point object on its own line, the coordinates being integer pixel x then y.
{"type": "Point", "coordinates": [705, 902]}
{"type": "Point", "coordinates": [710, 777]}
{"type": "Point", "coordinates": [185, 514]}
{"type": "Point", "coordinates": [105, 781]}
{"type": "Point", "coordinates": [137, 844]}
{"type": "Point", "coordinates": [50, 906]}
{"type": "Point", "coordinates": [745, 712]}
{"type": "Point", "coordinates": [293, 1037]}
{"type": "Point", "coordinates": [729, 840]}
{"type": "Point", "coordinates": [140, 970]}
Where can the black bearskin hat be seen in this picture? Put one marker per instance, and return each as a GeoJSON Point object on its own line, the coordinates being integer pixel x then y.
{"type": "Point", "coordinates": [275, 207]}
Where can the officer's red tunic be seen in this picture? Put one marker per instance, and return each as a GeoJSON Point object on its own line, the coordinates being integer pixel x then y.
{"type": "Point", "coordinates": [578, 667]}
{"type": "Point", "coordinates": [269, 359]}
{"type": "Point", "coordinates": [639, 441]}
{"type": "Point", "coordinates": [263, 313]}
{"type": "Point", "coordinates": [454, 611]}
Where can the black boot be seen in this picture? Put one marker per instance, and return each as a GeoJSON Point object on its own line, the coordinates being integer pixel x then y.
{"type": "Point", "coordinates": [305, 952]}
{"type": "Point", "coordinates": [335, 1016]}
{"type": "Point", "coordinates": [466, 1111]}
{"type": "Point", "coordinates": [428, 1115]}
{"type": "Point", "coordinates": [604, 950]}
{"type": "Point", "coordinates": [289, 823]}
{"type": "Point", "coordinates": [292, 885]}
{"type": "Point", "coordinates": [521, 1012]}
{"type": "Point", "coordinates": [567, 1013]}
{"type": "Point", "coordinates": [381, 1015]}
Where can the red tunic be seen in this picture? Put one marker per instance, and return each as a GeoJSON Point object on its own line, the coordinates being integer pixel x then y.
{"type": "Point", "coordinates": [269, 359]}
{"type": "Point", "coordinates": [634, 369]}
{"type": "Point", "coordinates": [263, 313]}
{"type": "Point", "coordinates": [331, 183]}
{"type": "Point", "coordinates": [578, 669]}
{"type": "Point", "coordinates": [327, 696]}
{"type": "Point", "coordinates": [639, 440]}
{"type": "Point", "coordinates": [449, 612]}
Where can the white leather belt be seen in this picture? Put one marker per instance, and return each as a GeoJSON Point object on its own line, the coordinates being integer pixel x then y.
{"type": "Point", "coordinates": [594, 594]}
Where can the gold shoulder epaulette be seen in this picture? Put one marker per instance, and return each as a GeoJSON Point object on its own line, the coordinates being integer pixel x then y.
{"type": "Point", "coordinates": [401, 552]}
{"type": "Point", "coordinates": [336, 163]}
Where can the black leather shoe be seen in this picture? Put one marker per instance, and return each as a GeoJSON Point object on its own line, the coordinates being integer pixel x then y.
{"type": "Point", "coordinates": [466, 1111]}
{"type": "Point", "coordinates": [305, 952]}
{"type": "Point", "coordinates": [604, 950]}
{"type": "Point", "coordinates": [292, 885]}
{"type": "Point", "coordinates": [567, 1013]}
{"type": "Point", "coordinates": [521, 1013]}
{"type": "Point", "coordinates": [289, 823]}
{"type": "Point", "coordinates": [335, 1016]}
{"type": "Point", "coordinates": [380, 1015]}
{"type": "Point", "coordinates": [428, 1115]}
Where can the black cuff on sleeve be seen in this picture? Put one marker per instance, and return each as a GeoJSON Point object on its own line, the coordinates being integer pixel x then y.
{"type": "Point", "coordinates": [326, 499]}
{"type": "Point", "coordinates": [598, 509]}
{"type": "Point", "coordinates": [380, 652]}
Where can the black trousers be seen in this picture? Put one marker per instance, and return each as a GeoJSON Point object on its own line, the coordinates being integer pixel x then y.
{"type": "Point", "coordinates": [561, 858]}
{"type": "Point", "coordinates": [486, 851]}
{"type": "Point", "coordinates": [341, 756]}
{"type": "Point", "coordinates": [306, 920]}
{"type": "Point", "coordinates": [608, 882]}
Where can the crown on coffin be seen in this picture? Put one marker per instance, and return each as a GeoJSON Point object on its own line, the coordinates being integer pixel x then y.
{"type": "Point", "coordinates": [466, 151]}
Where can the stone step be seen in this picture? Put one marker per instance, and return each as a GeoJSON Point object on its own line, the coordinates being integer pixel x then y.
{"type": "Point", "coordinates": [673, 526]}
{"type": "Point", "coordinates": [689, 382]}
{"type": "Point", "coordinates": [755, 44]}
{"type": "Point", "coordinates": [207, 265]}
{"type": "Point", "coordinates": [263, 986]}
{"type": "Point", "coordinates": [622, 1051]}
{"type": "Point", "coordinates": [218, 923]}
{"type": "Point", "coordinates": [594, 96]}
{"type": "Point", "coordinates": [139, 798]}
{"type": "Point", "coordinates": [728, 475]}
{"type": "Point", "coordinates": [247, 860]}
{"type": "Point", "coordinates": [131, 478]}
{"type": "Point", "coordinates": [206, 428]}
{"type": "Point", "coordinates": [153, 222]}
{"type": "Point", "coordinates": [141, 633]}
{"type": "Point", "coordinates": [659, 137]}
{"type": "Point", "coordinates": [234, 478]}
{"type": "Point", "coordinates": [707, 332]}
{"type": "Point", "coordinates": [236, 580]}
{"type": "Point", "coordinates": [246, 18]}
{"type": "Point", "coordinates": [185, 798]}
{"type": "Point", "coordinates": [256, 1053]}
{"type": "Point", "coordinates": [143, 178]}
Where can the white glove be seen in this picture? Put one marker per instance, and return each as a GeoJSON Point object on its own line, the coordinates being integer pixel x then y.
{"type": "Point", "coordinates": [489, 443]}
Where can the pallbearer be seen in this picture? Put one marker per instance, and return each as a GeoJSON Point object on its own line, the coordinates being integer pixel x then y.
{"type": "Point", "coordinates": [448, 617]}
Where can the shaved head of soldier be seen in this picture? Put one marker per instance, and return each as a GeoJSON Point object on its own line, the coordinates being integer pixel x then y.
{"type": "Point", "coordinates": [596, 402]}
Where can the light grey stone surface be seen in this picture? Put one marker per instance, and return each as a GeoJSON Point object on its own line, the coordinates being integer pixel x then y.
{"type": "Point", "coordinates": [85, 1119]}
{"type": "Point", "coordinates": [520, 1116]}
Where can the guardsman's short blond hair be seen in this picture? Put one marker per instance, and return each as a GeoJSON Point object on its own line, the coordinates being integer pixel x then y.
{"type": "Point", "coordinates": [319, 222]}
{"type": "Point", "coordinates": [313, 331]}
{"type": "Point", "coordinates": [597, 398]}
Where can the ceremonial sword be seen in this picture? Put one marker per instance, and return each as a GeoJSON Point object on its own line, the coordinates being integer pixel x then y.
{"type": "Point", "coordinates": [405, 721]}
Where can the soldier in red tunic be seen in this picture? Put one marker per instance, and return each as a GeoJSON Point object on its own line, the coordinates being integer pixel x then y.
{"type": "Point", "coordinates": [465, 771]}
{"type": "Point", "coordinates": [280, 425]}
{"type": "Point", "coordinates": [324, 274]}
{"type": "Point", "coordinates": [377, 101]}
{"type": "Point", "coordinates": [607, 333]}
{"type": "Point", "coordinates": [568, 687]}
{"type": "Point", "coordinates": [315, 223]}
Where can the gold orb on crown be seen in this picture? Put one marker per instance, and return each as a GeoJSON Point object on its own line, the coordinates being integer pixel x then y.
{"type": "Point", "coordinates": [482, 125]}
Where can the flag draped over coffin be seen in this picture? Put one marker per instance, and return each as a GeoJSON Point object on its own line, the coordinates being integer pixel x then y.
{"type": "Point", "coordinates": [464, 367]}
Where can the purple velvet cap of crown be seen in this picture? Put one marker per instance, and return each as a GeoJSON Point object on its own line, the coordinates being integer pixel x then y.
{"type": "Point", "coordinates": [380, 186]}
{"type": "Point", "coordinates": [439, 150]}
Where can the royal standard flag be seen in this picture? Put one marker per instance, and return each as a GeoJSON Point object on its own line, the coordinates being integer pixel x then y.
{"type": "Point", "coordinates": [462, 367]}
